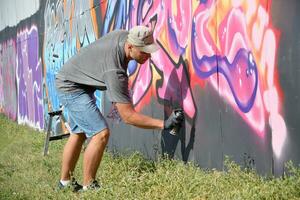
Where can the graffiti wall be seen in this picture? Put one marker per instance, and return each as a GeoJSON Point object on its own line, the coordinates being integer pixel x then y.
{"type": "Point", "coordinates": [21, 65]}
{"type": "Point", "coordinates": [8, 89]}
{"type": "Point", "coordinates": [231, 65]}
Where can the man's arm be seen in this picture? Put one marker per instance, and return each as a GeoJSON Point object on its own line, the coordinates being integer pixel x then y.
{"type": "Point", "coordinates": [130, 116]}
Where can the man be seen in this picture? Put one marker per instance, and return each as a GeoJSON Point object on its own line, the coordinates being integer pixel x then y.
{"type": "Point", "coordinates": [102, 65]}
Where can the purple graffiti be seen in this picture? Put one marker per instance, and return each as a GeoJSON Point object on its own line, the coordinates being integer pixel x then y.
{"type": "Point", "coordinates": [241, 72]}
{"type": "Point", "coordinates": [29, 79]}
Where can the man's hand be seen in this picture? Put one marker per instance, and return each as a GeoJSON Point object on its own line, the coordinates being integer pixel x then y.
{"type": "Point", "coordinates": [175, 119]}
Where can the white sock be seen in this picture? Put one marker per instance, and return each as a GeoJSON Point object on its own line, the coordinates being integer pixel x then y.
{"type": "Point", "coordinates": [85, 187]}
{"type": "Point", "coordinates": [64, 183]}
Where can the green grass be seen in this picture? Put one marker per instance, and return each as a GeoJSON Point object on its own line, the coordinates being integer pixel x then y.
{"type": "Point", "coordinates": [26, 174]}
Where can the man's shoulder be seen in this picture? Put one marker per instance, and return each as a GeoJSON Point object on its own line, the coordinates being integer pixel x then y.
{"type": "Point", "coordinates": [119, 32]}
{"type": "Point", "coordinates": [107, 41]}
{"type": "Point", "coordinates": [114, 34]}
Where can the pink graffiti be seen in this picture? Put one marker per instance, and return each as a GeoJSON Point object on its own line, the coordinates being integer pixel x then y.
{"type": "Point", "coordinates": [235, 83]}
{"type": "Point", "coordinates": [173, 85]}
{"type": "Point", "coordinates": [235, 33]}
{"type": "Point", "coordinates": [219, 39]}
{"type": "Point", "coordinates": [270, 96]}
{"type": "Point", "coordinates": [8, 98]}
{"type": "Point", "coordinates": [142, 82]}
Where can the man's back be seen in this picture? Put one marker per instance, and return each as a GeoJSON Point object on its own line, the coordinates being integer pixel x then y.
{"type": "Point", "coordinates": [89, 65]}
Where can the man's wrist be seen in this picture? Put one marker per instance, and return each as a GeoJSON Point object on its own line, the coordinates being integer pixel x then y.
{"type": "Point", "coordinates": [161, 126]}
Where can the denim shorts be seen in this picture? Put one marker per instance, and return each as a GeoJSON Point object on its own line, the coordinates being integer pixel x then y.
{"type": "Point", "coordinates": [84, 115]}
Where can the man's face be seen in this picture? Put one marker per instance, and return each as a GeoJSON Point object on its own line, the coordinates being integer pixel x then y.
{"type": "Point", "coordinates": [139, 56]}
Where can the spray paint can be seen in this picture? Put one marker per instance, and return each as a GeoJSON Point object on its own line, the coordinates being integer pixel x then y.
{"type": "Point", "coordinates": [175, 129]}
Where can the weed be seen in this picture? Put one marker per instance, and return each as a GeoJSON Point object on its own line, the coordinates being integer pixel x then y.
{"type": "Point", "coordinates": [26, 174]}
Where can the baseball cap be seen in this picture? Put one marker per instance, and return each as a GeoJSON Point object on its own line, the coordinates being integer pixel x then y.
{"type": "Point", "coordinates": [142, 38]}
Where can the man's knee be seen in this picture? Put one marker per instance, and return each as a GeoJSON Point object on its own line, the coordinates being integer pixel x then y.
{"type": "Point", "coordinates": [105, 133]}
{"type": "Point", "coordinates": [102, 136]}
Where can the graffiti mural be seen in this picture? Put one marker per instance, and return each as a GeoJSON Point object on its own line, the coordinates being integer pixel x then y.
{"type": "Point", "coordinates": [228, 44]}
{"type": "Point", "coordinates": [226, 49]}
{"type": "Point", "coordinates": [8, 88]}
{"type": "Point", "coordinates": [69, 25]}
{"type": "Point", "coordinates": [29, 79]}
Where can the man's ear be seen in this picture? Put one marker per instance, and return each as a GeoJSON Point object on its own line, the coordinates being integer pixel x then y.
{"type": "Point", "coordinates": [130, 46]}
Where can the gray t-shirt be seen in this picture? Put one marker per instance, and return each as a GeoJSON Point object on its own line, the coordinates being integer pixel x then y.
{"type": "Point", "coordinates": [100, 65]}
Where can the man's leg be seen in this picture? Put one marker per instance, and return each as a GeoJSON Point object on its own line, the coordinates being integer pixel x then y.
{"type": "Point", "coordinates": [93, 155]}
{"type": "Point", "coordinates": [71, 154]}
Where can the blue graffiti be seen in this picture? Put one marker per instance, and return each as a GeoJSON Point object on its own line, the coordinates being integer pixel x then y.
{"type": "Point", "coordinates": [116, 16]}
